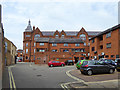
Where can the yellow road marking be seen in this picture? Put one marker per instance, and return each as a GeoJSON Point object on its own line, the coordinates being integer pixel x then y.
{"type": "Point", "coordinates": [11, 78]}
{"type": "Point", "coordinates": [13, 81]}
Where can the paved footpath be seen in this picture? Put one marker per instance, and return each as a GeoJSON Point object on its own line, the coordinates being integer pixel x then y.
{"type": "Point", "coordinates": [106, 81]}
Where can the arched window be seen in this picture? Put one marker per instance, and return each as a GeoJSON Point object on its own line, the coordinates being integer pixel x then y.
{"type": "Point", "coordinates": [36, 36]}
{"type": "Point", "coordinates": [83, 37]}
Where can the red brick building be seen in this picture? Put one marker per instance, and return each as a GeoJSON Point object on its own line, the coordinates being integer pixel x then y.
{"type": "Point", "coordinates": [41, 47]}
{"type": "Point", "coordinates": [19, 54]}
{"type": "Point", "coordinates": [106, 44]}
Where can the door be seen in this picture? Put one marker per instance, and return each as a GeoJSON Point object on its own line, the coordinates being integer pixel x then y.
{"type": "Point", "coordinates": [76, 59]}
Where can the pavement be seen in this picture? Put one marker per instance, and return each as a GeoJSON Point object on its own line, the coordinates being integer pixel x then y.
{"type": "Point", "coordinates": [104, 81]}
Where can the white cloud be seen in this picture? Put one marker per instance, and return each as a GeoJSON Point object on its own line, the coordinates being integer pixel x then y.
{"type": "Point", "coordinates": [57, 15]}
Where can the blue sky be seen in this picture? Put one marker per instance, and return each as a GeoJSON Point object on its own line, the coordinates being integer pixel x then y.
{"type": "Point", "coordinates": [59, 15]}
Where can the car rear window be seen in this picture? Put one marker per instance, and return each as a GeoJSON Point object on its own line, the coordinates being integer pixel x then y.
{"type": "Point", "coordinates": [70, 60]}
{"type": "Point", "coordinates": [118, 61]}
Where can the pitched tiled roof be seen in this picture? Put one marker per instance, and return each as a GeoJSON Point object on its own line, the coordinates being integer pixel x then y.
{"type": "Point", "coordinates": [69, 33]}
{"type": "Point", "coordinates": [65, 40]}
{"type": "Point", "coordinates": [59, 40]}
{"type": "Point", "coordinates": [107, 31]}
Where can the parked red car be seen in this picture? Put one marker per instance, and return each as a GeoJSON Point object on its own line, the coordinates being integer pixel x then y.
{"type": "Point", "coordinates": [55, 63]}
{"type": "Point", "coordinates": [19, 60]}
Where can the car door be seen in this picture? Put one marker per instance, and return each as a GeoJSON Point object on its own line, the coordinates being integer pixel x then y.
{"type": "Point", "coordinates": [58, 63]}
{"type": "Point", "coordinates": [54, 63]}
{"type": "Point", "coordinates": [104, 67]}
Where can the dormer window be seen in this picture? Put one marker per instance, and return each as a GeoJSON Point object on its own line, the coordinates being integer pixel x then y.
{"type": "Point", "coordinates": [83, 37]}
{"type": "Point", "coordinates": [36, 36]}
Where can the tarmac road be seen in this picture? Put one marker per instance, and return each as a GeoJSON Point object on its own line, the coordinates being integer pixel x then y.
{"type": "Point", "coordinates": [25, 75]}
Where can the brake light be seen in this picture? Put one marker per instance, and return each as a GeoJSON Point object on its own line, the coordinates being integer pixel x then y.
{"type": "Point", "coordinates": [86, 66]}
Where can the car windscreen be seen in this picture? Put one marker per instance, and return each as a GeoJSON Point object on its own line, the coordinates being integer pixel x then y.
{"type": "Point", "coordinates": [85, 63]}
{"type": "Point", "coordinates": [108, 60]}
{"type": "Point", "coordinates": [79, 61]}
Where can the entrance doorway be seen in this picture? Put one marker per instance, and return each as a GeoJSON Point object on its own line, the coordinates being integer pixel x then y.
{"type": "Point", "coordinates": [76, 59]}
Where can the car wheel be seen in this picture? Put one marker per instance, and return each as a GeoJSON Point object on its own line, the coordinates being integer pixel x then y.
{"type": "Point", "coordinates": [51, 65]}
{"type": "Point", "coordinates": [82, 73]}
{"type": "Point", "coordinates": [62, 65]}
{"type": "Point", "coordinates": [89, 72]}
{"type": "Point", "coordinates": [111, 71]}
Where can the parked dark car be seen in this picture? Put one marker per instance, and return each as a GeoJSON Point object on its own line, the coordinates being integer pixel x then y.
{"type": "Point", "coordinates": [69, 62]}
{"type": "Point", "coordinates": [108, 61]}
{"type": "Point", "coordinates": [116, 60]}
{"type": "Point", "coordinates": [92, 67]}
{"type": "Point", "coordinates": [118, 65]}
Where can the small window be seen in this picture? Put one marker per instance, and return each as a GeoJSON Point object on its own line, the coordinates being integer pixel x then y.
{"type": "Point", "coordinates": [26, 44]}
{"type": "Point", "coordinates": [26, 50]}
{"type": "Point", "coordinates": [65, 50]}
{"type": "Point", "coordinates": [101, 47]}
{"type": "Point", "coordinates": [27, 35]}
{"type": "Point", "coordinates": [41, 44]}
{"type": "Point", "coordinates": [83, 37]}
{"type": "Point", "coordinates": [54, 44]}
{"type": "Point", "coordinates": [41, 50]}
{"type": "Point", "coordinates": [108, 45]}
{"type": "Point", "coordinates": [26, 57]}
{"type": "Point", "coordinates": [93, 40]}
{"type": "Point", "coordinates": [65, 44]}
{"type": "Point", "coordinates": [77, 44]}
{"type": "Point", "coordinates": [62, 36]}
{"type": "Point", "coordinates": [56, 36]}
{"type": "Point", "coordinates": [34, 44]}
{"type": "Point", "coordinates": [108, 35]}
{"type": "Point", "coordinates": [93, 48]}
{"type": "Point", "coordinates": [54, 50]}
{"type": "Point", "coordinates": [112, 56]}
{"type": "Point", "coordinates": [37, 36]}
{"type": "Point", "coordinates": [84, 44]}
{"type": "Point", "coordinates": [117, 56]}
{"type": "Point", "coordinates": [34, 50]}
{"type": "Point", "coordinates": [106, 56]}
